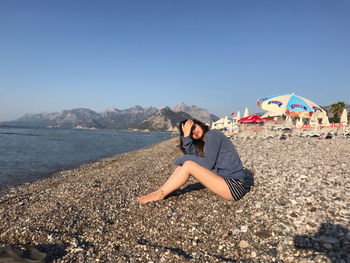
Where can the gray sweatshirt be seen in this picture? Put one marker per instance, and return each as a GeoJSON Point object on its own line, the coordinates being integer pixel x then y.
{"type": "Point", "coordinates": [221, 156]}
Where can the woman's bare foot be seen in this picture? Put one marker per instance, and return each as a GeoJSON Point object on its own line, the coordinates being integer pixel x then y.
{"type": "Point", "coordinates": [154, 196]}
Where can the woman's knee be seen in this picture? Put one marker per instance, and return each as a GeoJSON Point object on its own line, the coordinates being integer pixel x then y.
{"type": "Point", "coordinates": [188, 164]}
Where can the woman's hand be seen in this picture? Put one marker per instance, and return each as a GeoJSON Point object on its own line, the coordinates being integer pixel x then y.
{"type": "Point", "coordinates": [186, 127]}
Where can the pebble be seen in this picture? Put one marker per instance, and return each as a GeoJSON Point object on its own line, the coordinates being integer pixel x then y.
{"type": "Point", "coordinates": [297, 209]}
{"type": "Point", "coordinates": [327, 245]}
{"type": "Point", "coordinates": [273, 252]}
{"type": "Point", "coordinates": [243, 244]}
{"type": "Point", "coordinates": [244, 229]}
{"type": "Point", "coordinates": [236, 231]}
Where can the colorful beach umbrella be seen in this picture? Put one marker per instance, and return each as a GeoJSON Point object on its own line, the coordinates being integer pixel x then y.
{"type": "Point", "coordinates": [270, 114]}
{"type": "Point", "coordinates": [291, 104]}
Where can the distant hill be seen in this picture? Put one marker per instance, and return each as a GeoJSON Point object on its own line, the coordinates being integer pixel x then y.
{"type": "Point", "coordinates": [133, 118]}
{"type": "Point", "coordinates": [196, 112]}
{"type": "Point", "coordinates": [122, 119]}
{"type": "Point", "coordinates": [165, 119]}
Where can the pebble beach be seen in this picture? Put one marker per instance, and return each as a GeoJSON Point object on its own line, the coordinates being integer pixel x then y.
{"type": "Point", "coordinates": [297, 211]}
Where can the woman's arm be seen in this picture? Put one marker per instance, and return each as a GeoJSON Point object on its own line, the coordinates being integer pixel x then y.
{"type": "Point", "coordinates": [188, 145]}
{"type": "Point", "coordinates": [211, 150]}
{"type": "Point", "coordinates": [186, 139]}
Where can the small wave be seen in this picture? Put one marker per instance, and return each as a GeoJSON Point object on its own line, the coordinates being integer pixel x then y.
{"type": "Point", "coordinates": [15, 133]}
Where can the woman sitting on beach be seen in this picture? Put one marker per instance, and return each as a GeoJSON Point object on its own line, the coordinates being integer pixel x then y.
{"type": "Point", "coordinates": [211, 159]}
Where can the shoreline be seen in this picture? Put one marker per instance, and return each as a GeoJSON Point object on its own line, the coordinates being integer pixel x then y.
{"type": "Point", "coordinates": [59, 171]}
{"type": "Point", "coordinates": [89, 214]}
{"type": "Point", "coordinates": [29, 173]}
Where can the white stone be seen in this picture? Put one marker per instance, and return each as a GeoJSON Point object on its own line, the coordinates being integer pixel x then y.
{"type": "Point", "coordinates": [244, 229]}
{"type": "Point", "coordinates": [258, 214]}
{"type": "Point", "coordinates": [236, 231]}
{"type": "Point", "coordinates": [243, 244]}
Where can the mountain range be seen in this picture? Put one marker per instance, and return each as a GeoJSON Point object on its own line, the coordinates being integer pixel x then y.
{"type": "Point", "coordinates": [150, 118]}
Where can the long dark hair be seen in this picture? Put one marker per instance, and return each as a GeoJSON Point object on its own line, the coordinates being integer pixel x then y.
{"type": "Point", "coordinates": [198, 143]}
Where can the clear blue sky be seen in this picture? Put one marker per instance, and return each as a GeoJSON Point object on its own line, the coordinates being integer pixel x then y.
{"type": "Point", "coordinates": [219, 55]}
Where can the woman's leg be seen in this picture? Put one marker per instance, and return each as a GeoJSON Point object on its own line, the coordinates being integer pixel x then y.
{"type": "Point", "coordinates": [181, 175]}
{"type": "Point", "coordinates": [209, 179]}
{"type": "Point", "coordinates": [173, 180]}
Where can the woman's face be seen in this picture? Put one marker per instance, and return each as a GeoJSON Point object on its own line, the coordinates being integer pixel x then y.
{"type": "Point", "coordinates": [197, 132]}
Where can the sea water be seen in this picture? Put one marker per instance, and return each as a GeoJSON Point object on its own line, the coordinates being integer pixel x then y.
{"type": "Point", "coordinates": [31, 154]}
